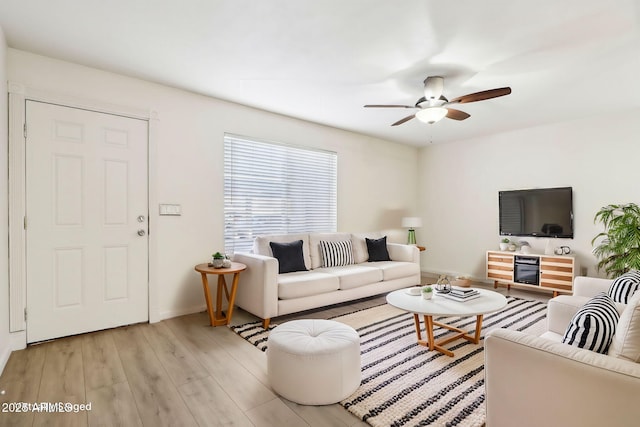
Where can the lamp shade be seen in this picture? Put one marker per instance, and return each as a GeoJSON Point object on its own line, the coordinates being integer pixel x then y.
{"type": "Point", "coordinates": [411, 222]}
{"type": "Point", "coordinates": [431, 114]}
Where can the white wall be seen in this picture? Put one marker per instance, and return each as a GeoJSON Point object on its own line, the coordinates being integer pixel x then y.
{"type": "Point", "coordinates": [4, 230]}
{"type": "Point", "coordinates": [459, 184]}
{"type": "Point", "coordinates": [190, 164]}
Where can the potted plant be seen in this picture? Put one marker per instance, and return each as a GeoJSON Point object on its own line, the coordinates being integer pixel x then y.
{"type": "Point", "coordinates": [217, 260]}
{"type": "Point", "coordinates": [226, 263]}
{"type": "Point", "coordinates": [618, 245]}
{"type": "Point", "coordinates": [504, 244]}
{"type": "Point", "coordinates": [427, 292]}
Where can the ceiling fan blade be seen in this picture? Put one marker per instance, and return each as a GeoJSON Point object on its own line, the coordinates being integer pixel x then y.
{"type": "Point", "coordinates": [406, 119]}
{"type": "Point", "coordinates": [481, 96]}
{"type": "Point", "coordinates": [388, 106]}
{"type": "Point", "coordinates": [457, 114]}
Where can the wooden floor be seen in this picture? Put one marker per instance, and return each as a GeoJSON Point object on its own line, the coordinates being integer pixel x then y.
{"type": "Point", "coordinates": [178, 372]}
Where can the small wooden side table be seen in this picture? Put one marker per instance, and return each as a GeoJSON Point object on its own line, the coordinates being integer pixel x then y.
{"type": "Point", "coordinates": [218, 318]}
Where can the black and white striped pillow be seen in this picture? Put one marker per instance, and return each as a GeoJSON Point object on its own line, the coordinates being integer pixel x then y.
{"type": "Point", "coordinates": [594, 325]}
{"type": "Point", "coordinates": [335, 254]}
{"type": "Point", "coordinates": [623, 288]}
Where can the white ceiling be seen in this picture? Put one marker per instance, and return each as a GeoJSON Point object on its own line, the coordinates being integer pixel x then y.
{"type": "Point", "coordinates": [323, 60]}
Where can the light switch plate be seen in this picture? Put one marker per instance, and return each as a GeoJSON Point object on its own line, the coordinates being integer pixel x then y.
{"type": "Point", "coordinates": [170, 209]}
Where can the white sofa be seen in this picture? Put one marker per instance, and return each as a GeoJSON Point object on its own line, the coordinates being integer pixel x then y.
{"type": "Point", "coordinates": [538, 381]}
{"type": "Point", "coordinates": [266, 294]}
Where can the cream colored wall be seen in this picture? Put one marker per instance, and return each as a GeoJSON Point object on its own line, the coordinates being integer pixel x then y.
{"type": "Point", "coordinates": [376, 178]}
{"type": "Point", "coordinates": [459, 184]}
{"type": "Point", "coordinates": [4, 230]}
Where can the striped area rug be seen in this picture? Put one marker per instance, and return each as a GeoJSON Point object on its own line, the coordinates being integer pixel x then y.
{"type": "Point", "coordinates": [404, 384]}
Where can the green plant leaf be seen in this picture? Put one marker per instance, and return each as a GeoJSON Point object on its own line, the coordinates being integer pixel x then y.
{"type": "Point", "coordinates": [618, 247]}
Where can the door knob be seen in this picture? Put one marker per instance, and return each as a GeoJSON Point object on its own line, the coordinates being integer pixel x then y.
{"type": "Point", "coordinates": [141, 218]}
{"type": "Point", "coordinates": [141, 233]}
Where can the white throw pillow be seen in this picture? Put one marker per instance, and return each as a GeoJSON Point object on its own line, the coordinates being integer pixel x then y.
{"type": "Point", "coordinates": [623, 287]}
{"type": "Point", "coordinates": [335, 254]}
{"type": "Point", "coordinates": [626, 341]}
{"type": "Point", "coordinates": [594, 325]}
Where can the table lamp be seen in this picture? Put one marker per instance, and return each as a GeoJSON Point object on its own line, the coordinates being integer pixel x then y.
{"type": "Point", "coordinates": [411, 222]}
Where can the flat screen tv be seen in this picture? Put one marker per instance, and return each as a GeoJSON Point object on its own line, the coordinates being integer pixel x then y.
{"type": "Point", "coordinates": [544, 212]}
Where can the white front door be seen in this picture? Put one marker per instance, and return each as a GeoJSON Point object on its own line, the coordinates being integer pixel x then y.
{"type": "Point", "coordinates": [86, 221]}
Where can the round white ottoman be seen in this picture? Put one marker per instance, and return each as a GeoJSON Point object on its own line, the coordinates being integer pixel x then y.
{"type": "Point", "coordinates": [314, 361]}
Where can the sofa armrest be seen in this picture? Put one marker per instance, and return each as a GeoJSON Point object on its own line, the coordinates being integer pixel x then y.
{"type": "Point", "coordinates": [590, 286]}
{"type": "Point", "coordinates": [560, 311]}
{"type": "Point", "coordinates": [258, 285]}
{"type": "Point", "coordinates": [400, 252]}
{"type": "Point", "coordinates": [556, 384]}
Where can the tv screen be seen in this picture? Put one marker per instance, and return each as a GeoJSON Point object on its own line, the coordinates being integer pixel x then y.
{"type": "Point", "coordinates": [545, 212]}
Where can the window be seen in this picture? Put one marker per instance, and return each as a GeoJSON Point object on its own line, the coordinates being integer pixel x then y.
{"type": "Point", "coordinates": [272, 188]}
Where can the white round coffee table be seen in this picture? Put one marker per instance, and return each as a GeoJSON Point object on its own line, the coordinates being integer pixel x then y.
{"type": "Point", "coordinates": [487, 302]}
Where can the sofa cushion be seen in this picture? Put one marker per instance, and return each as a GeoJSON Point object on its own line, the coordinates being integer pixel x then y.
{"type": "Point", "coordinates": [336, 254]}
{"type": "Point", "coordinates": [360, 252]}
{"type": "Point", "coordinates": [261, 245]}
{"type": "Point", "coordinates": [314, 245]}
{"type": "Point", "coordinates": [377, 249]}
{"type": "Point", "coordinates": [623, 288]}
{"type": "Point", "coordinates": [593, 326]}
{"type": "Point", "coordinates": [289, 256]}
{"type": "Point", "coordinates": [626, 341]}
{"type": "Point", "coordinates": [306, 283]}
{"type": "Point", "coordinates": [354, 276]}
{"type": "Point", "coordinates": [396, 269]}
{"type": "Point", "coordinates": [560, 311]}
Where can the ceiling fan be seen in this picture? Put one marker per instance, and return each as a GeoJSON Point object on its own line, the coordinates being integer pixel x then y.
{"type": "Point", "coordinates": [433, 106]}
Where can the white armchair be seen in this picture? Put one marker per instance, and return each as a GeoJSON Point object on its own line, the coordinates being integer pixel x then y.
{"type": "Point", "coordinates": [538, 381]}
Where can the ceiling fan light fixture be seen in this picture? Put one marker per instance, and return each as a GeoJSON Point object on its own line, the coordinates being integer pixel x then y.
{"type": "Point", "coordinates": [431, 114]}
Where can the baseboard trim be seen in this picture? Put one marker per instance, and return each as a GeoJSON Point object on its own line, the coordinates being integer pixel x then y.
{"type": "Point", "coordinates": [18, 340]}
{"type": "Point", "coordinates": [183, 312]}
{"type": "Point", "coordinates": [4, 358]}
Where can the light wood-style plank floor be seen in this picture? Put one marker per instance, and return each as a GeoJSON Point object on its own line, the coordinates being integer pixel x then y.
{"type": "Point", "coordinates": [178, 372]}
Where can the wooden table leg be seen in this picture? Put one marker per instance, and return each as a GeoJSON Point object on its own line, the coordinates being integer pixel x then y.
{"type": "Point", "coordinates": [432, 344]}
{"type": "Point", "coordinates": [232, 297]}
{"type": "Point", "coordinates": [476, 338]}
{"type": "Point", "coordinates": [207, 297]}
{"type": "Point", "coordinates": [221, 284]}
{"type": "Point", "coordinates": [428, 325]}
{"type": "Point", "coordinates": [416, 320]}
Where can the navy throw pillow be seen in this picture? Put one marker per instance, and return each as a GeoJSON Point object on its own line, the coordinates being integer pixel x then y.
{"type": "Point", "coordinates": [377, 249]}
{"type": "Point", "coordinates": [289, 256]}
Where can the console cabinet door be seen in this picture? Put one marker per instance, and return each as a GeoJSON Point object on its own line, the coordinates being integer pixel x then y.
{"type": "Point", "coordinates": [499, 266]}
{"type": "Point", "coordinates": [557, 273]}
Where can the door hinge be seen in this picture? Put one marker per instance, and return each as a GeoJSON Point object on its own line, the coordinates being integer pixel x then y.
{"type": "Point", "coordinates": [24, 130]}
{"type": "Point", "coordinates": [24, 222]}
{"type": "Point", "coordinates": [25, 314]}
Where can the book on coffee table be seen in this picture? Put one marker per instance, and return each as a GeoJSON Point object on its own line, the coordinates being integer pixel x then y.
{"type": "Point", "coordinates": [464, 294]}
{"type": "Point", "coordinates": [464, 291]}
{"type": "Point", "coordinates": [455, 297]}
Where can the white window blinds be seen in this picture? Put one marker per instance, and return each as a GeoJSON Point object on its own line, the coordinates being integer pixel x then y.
{"type": "Point", "coordinates": [272, 188]}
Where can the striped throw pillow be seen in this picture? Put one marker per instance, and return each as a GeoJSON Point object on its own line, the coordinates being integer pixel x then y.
{"type": "Point", "coordinates": [623, 288]}
{"type": "Point", "coordinates": [335, 254]}
{"type": "Point", "coordinates": [594, 325]}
